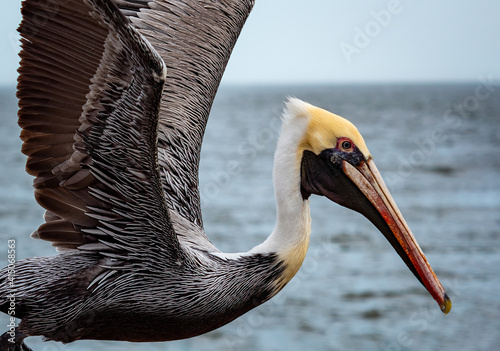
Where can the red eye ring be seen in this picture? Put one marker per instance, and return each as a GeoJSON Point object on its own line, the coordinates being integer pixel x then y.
{"type": "Point", "coordinates": [345, 144]}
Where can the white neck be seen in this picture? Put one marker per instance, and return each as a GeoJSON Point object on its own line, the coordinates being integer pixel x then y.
{"type": "Point", "coordinates": [290, 237]}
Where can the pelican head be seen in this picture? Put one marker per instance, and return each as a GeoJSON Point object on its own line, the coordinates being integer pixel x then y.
{"type": "Point", "coordinates": [333, 161]}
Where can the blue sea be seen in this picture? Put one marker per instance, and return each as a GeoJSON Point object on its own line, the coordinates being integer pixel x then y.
{"type": "Point", "coordinates": [437, 147]}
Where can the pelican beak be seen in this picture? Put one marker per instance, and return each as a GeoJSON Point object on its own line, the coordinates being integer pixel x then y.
{"type": "Point", "coordinates": [361, 188]}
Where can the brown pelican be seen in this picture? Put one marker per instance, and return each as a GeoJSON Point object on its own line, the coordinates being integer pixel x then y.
{"type": "Point", "coordinates": [114, 97]}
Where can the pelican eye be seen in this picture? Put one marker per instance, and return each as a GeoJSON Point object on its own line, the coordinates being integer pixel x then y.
{"type": "Point", "coordinates": [346, 145]}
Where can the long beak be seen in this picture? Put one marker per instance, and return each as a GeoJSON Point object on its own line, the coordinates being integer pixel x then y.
{"type": "Point", "coordinates": [368, 180]}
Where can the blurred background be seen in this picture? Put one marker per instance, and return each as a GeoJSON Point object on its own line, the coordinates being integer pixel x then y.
{"type": "Point", "coordinates": [420, 80]}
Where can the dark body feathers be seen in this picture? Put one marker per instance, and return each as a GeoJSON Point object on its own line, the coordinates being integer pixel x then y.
{"type": "Point", "coordinates": [137, 305]}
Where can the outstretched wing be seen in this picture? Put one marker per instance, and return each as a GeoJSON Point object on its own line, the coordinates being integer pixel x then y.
{"type": "Point", "coordinates": [195, 39]}
{"type": "Point", "coordinates": [89, 94]}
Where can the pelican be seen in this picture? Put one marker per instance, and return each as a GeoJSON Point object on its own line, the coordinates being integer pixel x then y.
{"type": "Point", "coordinates": [114, 98]}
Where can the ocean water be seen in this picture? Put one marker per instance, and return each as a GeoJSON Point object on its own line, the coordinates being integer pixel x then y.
{"type": "Point", "coordinates": [437, 147]}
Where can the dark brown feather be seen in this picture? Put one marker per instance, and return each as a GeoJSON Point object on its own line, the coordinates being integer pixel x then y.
{"type": "Point", "coordinates": [83, 69]}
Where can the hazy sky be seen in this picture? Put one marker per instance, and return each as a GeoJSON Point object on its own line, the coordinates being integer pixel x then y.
{"type": "Point", "coordinates": [339, 41]}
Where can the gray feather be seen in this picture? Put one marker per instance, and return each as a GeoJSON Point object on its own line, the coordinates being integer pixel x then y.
{"type": "Point", "coordinates": [195, 39]}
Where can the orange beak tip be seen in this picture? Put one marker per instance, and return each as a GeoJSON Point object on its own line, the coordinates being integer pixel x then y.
{"type": "Point", "coordinates": [446, 305]}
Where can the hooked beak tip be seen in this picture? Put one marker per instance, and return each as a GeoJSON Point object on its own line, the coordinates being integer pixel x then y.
{"type": "Point", "coordinates": [446, 305]}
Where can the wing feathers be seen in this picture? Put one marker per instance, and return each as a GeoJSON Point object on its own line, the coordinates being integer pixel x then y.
{"type": "Point", "coordinates": [195, 39]}
{"type": "Point", "coordinates": [89, 93]}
